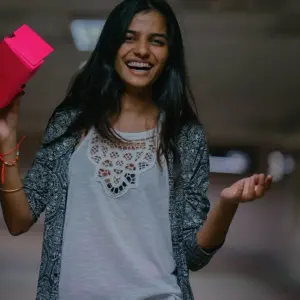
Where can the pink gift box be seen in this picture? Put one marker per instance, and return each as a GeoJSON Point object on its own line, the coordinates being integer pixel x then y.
{"type": "Point", "coordinates": [21, 55]}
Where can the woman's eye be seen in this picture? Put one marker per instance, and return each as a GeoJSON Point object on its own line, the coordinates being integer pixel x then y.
{"type": "Point", "coordinates": [129, 38]}
{"type": "Point", "coordinates": [158, 42]}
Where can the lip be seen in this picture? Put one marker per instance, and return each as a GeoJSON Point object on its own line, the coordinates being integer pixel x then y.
{"type": "Point", "coordinates": [138, 61]}
{"type": "Point", "coordinates": [138, 72]}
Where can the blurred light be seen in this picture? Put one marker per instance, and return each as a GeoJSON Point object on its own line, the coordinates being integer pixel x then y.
{"type": "Point", "coordinates": [280, 165]}
{"type": "Point", "coordinates": [235, 162]}
{"type": "Point", "coordinates": [276, 165]}
{"type": "Point", "coordinates": [289, 164]}
{"type": "Point", "coordinates": [86, 33]}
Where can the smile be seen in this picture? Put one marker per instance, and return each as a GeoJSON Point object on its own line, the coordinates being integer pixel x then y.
{"type": "Point", "coordinates": [139, 66]}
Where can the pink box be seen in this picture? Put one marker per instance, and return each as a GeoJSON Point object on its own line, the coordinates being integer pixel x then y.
{"type": "Point", "coordinates": [21, 55]}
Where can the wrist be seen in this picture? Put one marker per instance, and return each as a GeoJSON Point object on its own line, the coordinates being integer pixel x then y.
{"type": "Point", "coordinates": [229, 203]}
{"type": "Point", "coordinates": [8, 144]}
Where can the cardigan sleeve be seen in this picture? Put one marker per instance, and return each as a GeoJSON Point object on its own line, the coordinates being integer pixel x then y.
{"type": "Point", "coordinates": [38, 179]}
{"type": "Point", "coordinates": [195, 168]}
{"type": "Point", "coordinates": [37, 182]}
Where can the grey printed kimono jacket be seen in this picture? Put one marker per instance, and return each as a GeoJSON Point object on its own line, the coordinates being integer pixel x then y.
{"type": "Point", "coordinates": [46, 187]}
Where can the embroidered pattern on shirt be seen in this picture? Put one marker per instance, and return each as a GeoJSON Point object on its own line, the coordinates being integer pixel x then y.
{"type": "Point", "coordinates": [118, 167]}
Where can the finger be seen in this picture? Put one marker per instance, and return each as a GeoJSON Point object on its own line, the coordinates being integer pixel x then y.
{"type": "Point", "coordinates": [245, 189]}
{"type": "Point", "coordinates": [268, 182]}
{"type": "Point", "coordinates": [19, 95]}
{"type": "Point", "coordinates": [252, 187]}
{"type": "Point", "coordinates": [248, 189]}
{"type": "Point", "coordinates": [261, 179]}
{"type": "Point", "coordinates": [14, 107]}
{"type": "Point", "coordinates": [256, 179]}
{"type": "Point", "coordinates": [259, 191]}
{"type": "Point", "coordinates": [16, 103]}
{"type": "Point", "coordinates": [238, 193]}
{"type": "Point", "coordinates": [4, 111]}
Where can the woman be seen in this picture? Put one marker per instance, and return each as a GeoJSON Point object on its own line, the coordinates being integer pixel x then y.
{"type": "Point", "coordinates": [122, 173]}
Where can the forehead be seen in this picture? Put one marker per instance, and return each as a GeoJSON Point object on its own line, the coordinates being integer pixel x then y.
{"type": "Point", "coordinates": [149, 22]}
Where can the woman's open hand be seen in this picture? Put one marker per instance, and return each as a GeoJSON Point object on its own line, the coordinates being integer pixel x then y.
{"type": "Point", "coordinates": [247, 189]}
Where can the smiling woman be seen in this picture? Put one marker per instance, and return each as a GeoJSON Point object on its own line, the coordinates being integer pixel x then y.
{"type": "Point", "coordinates": [143, 56]}
{"type": "Point", "coordinates": [122, 172]}
{"type": "Point", "coordinates": [135, 32]}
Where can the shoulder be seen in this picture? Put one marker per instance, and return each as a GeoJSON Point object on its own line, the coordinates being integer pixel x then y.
{"type": "Point", "coordinates": [192, 147]}
{"type": "Point", "coordinates": [58, 123]}
{"type": "Point", "coordinates": [192, 137]}
{"type": "Point", "coordinates": [193, 153]}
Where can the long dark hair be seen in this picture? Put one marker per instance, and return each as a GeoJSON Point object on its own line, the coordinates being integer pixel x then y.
{"type": "Point", "coordinates": [97, 89]}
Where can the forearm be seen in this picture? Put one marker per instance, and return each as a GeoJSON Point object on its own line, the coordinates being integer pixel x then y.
{"type": "Point", "coordinates": [15, 206]}
{"type": "Point", "coordinates": [214, 230]}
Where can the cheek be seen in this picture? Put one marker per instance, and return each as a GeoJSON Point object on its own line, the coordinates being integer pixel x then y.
{"type": "Point", "coordinates": [120, 55]}
{"type": "Point", "coordinates": [163, 58]}
{"type": "Point", "coordinates": [124, 50]}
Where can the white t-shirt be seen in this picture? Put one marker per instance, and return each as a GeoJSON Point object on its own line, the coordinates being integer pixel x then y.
{"type": "Point", "coordinates": [117, 238]}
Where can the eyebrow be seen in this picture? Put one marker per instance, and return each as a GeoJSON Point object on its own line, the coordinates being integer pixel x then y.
{"type": "Point", "coordinates": [161, 35]}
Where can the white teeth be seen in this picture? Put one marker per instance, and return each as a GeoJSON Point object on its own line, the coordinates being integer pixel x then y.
{"type": "Point", "coordinates": [138, 64]}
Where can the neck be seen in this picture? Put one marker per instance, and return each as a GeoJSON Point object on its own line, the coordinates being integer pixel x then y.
{"type": "Point", "coordinates": [138, 113]}
{"type": "Point", "coordinates": [137, 101]}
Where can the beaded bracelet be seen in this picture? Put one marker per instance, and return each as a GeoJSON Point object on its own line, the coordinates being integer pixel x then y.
{"type": "Point", "coordinates": [12, 163]}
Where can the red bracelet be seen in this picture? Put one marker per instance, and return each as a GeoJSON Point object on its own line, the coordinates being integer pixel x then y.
{"type": "Point", "coordinates": [10, 163]}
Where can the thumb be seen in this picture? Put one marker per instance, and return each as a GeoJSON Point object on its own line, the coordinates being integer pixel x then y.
{"type": "Point", "coordinates": [235, 190]}
{"type": "Point", "coordinates": [238, 188]}
{"type": "Point", "coordinates": [15, 104]}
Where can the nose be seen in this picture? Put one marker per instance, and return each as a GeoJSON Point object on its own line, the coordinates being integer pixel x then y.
{"type": "Point", "coordinates": [141, 49]}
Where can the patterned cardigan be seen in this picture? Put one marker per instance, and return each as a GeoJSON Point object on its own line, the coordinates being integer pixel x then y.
{"type": "Point", "coordinates": [46, 187]}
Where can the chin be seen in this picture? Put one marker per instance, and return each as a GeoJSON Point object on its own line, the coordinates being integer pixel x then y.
{"type": "Point", "coordinates": [138, 84]}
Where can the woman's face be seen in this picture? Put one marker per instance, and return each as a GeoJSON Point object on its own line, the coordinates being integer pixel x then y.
{"type": "Point", "coordinates": [144, 53]}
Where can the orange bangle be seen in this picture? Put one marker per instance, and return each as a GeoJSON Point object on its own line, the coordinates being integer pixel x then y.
{"type": "Point", "coordinates": [10, 163]}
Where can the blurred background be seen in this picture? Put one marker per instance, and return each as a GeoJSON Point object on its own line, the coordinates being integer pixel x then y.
{"type": "Point", "coordinates": [244, 65]}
